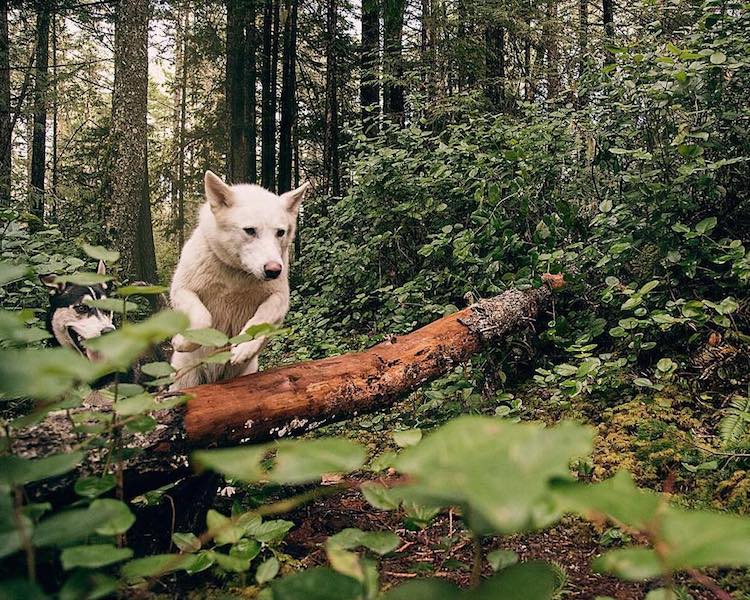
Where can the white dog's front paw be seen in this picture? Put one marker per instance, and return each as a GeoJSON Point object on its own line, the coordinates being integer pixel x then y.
{"type": "Point", "coordinates": [180, 344]}
{"type": "Point", "coordinates": [242, 353]}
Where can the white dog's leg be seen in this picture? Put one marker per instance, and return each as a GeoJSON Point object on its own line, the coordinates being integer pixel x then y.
{"type": "Point", "coordinates": [272, 311]}
{"type": "Point", "coordinates": [188, 374]}
{"type": "Point", "coordinates": [188, 302]}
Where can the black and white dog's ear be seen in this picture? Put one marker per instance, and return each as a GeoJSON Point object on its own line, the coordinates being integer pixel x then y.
{"type": "Point", "coordinates": [218, 193]}
{"type": "Point", "coordinates": [50, 281]}
{"type": "Point", "coordinates": [101, 268]}
{"type": "Point", "coordinates": [293, 198]}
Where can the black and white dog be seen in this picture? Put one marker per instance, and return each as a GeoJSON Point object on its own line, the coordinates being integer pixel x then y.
{"type": "Point", "coordinates": [70, 320]}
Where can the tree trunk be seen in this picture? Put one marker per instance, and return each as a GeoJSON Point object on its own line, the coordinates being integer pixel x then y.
{"type": "Point", "coordinates": [583, 35]}
{"type": "Point", "coordinates": [128, 212]}
{"type": "Point", "coordinates": [236, 89]}
{"type": "Point", "coordinates": [550, 41]}
{"type": "Point", "coordinates": [39, 137]}
{"type": "Point", "coordinates": [55, 110]}
{"type": "Point", "coordinates": [183, 122]}
{"type": "Point", "coordinates": [295, 399]}
{"type": "Point", "coordinates": [331, 158]}
{"type": "Point", "coordinates": [5, 118]}
{"type": "Point", "coordinates": [251, 134]}
{"type": "Point", "coordinates": [369, 90]}
{"type": "Point", "coordinates": [495, 63]}
{"type": "Point", "coordinates": [608, 11]}
{"type": "Point", "coordinates": [268, 118]}
{"type": "Point", "coordinates": [288, 97]}
{"type": "Point", "coordinates": [393, 89]}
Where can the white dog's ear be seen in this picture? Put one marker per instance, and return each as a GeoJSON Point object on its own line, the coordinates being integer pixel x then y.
{"type": "Point", "coordinates": [293, 198]}
{"type": "Point", "coordinates": [101, 268]}
{"type": "Point", "coordinates": [218, 193]}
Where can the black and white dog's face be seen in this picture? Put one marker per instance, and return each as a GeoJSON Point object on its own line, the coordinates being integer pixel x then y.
{"type": "Point", "coordinates": [70, 319]}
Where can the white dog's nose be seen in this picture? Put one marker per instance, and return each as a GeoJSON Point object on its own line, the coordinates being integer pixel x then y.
{"type": "Point", "coordinates": [272, 270]}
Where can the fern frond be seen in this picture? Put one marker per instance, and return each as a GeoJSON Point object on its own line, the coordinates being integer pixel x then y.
{"type": "Point", "coordinates": [734, 426]}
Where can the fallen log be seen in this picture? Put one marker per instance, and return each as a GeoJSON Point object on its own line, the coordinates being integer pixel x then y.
{"type": "Point", "coordinates": [291, 400]}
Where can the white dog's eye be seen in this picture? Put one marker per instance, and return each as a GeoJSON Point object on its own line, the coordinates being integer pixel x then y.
{"type": "Point", "coordinates": [250, 230]}
{"type": "Point", "coordinates": [280, 233]}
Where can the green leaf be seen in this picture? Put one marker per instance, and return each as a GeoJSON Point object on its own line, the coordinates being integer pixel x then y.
{"type": "Point", "coordinates": [21, 589]}
{"type": "Point", "coordinates": [81, 278]}
{"type": "Point", "coordinates": [317, 584]}
{"type": "Point", "coordinates": [296, 461]}
{"type": "Point", "coordinates": [500, 559]}
{"type": "Point", "coordinates": [186, 542]}
{"type": "Point", "coordinates": [498, 470]}
{"type": "Point", "coordinates": [426, 589]}
{"type": "Point", "coordinates": [268, 532]}
{"type": "Point", "coordinates": [15, 470]}
{"type": "Point", "coordinates": [104, 517]}
{"type": "Point", "coordinates": [157, 369]}
{"type": "Point", "coordinates": [630, 564]}
{"type": "Point", "coordinates": [246, 549]}
{"type": "Point", "coordinates": [224, 529]}
{"type": "Point", "coordinates": [206, 337]}
{"type": "Point", "coordinates": [302, 461]}
{"type": "Point", "coordinates": [380, 542]}
{"type": "Point", "coordinates": [112, 305]}
{"type": "Point", "coordinates": [706, 225]}
{"type": "Point", "coordinates": [380, 496]}
{"type": "Point", "coordinates": [718, 58]}
{"type": "Point", "coordinates": [532, 580]}
{"type": "Point", "coordinates": [159, 564]}
{"type": "Point", "coordinates": [91, 487]}
{"type": "Point", "coordinates": [122, 347]}
{"type": "Point", "coordinates": [232, 564]}
{"type": "Point", "coordinates": [141, 290]}
{"type": "Point", "coordinates": [256, 331]}
{"type": "Point", "coordinates": [101, 253]}
{"type": "Point", "coordinates": [408, 437]}
{"type": "Point", "coordinates": [267, 570]}
{"type": "Point", "coordinates": [10, 272]}
{"type": "Point", "coordinates": [88, 585]}
{"type": "Point", "coordinates": [93, 556]}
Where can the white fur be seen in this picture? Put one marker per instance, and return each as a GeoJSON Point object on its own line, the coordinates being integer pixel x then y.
{"type": "Point", "coordinates": [220, 280]}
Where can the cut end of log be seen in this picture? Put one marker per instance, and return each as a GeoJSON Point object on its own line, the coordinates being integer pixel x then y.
{"type": "Point", "coordinates": [555, 281]}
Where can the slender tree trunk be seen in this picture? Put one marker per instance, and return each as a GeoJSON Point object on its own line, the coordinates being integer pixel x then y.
{"type": "Point", "coordinates": [495, 63]}
{"type": "Point", "coordinates": [393, 89]}
{"type": "Point", "coordinates": [608, 11]}
{"type": "Point", "coordinates": [235, 81]}
{"type": "Point", "coordinates": [369, 90]}
{"type": "Point", "coordinates": [183, 124]}
{"type": "Point", "coordinates": [268, 118]}
{"type": "Point", "coordinates": [5, 118]}
{"type": "Point", "coordinates": [251, 134]}
{"type": "Point", "coordinates": [550, 41]}
{"type": "Point", "coordinates": [331, 157]}
{"type": "Point", "coordinates": [39, 137]}
{"type": "Point", "coordinates": [55, 173]}
{"type": "Point", "coordinates": [288, 97]}
{"type": "Point", "coordinates": [583, 35]}
{"type": "Point", "coordinates": [129, 209]}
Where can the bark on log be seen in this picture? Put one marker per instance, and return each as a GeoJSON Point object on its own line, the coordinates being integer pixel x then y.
{"type": "Point", "coordinates": [295, 399]}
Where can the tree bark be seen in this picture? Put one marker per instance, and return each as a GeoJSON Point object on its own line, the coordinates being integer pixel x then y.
{"type": "Point", "coordinates": [495, 63]}
{"type": "Point", "coordinates": [393, 89]}
{"type": "Point", "coordinates": [251, 73]}
{"type": "Point", "coordinates": [331, 157]}
{"type": "Point", "coordinates": [236, 89]}
{"type": "Point", "coordinates": [369, 90]}
{"type": "Point", "coordinates": [583, 35]}
{"type": "Point", "coordinates": [550, 41]}
{"type": "Point", "coordinates": [129, 212]}
{"type": "Point", "coordinates": [182, 125]}
{"type": "Point", "coordinates": [288, 97]}
{"type": "Point", "coordinates": [295, 399]}
{"type": "Point", "coordinates": [5, 118]}
{"type": "Point", "coordinates": [268, 116]}
{"type": "Point", "coordinates": [39, 136]}
{"type": "Point", "coordinates": [608, 17]}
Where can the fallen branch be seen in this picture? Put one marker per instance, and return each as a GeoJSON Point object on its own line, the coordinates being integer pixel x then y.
{"type": "Point", "coordinates": [295, 399]}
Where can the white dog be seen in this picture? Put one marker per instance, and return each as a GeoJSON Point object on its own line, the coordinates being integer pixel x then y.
{"type": "Point", "coordinates": [233, 273]}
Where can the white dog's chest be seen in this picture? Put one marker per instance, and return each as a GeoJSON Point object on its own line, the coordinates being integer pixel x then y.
{"type": "Point", "coordinates": [231, 309]}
